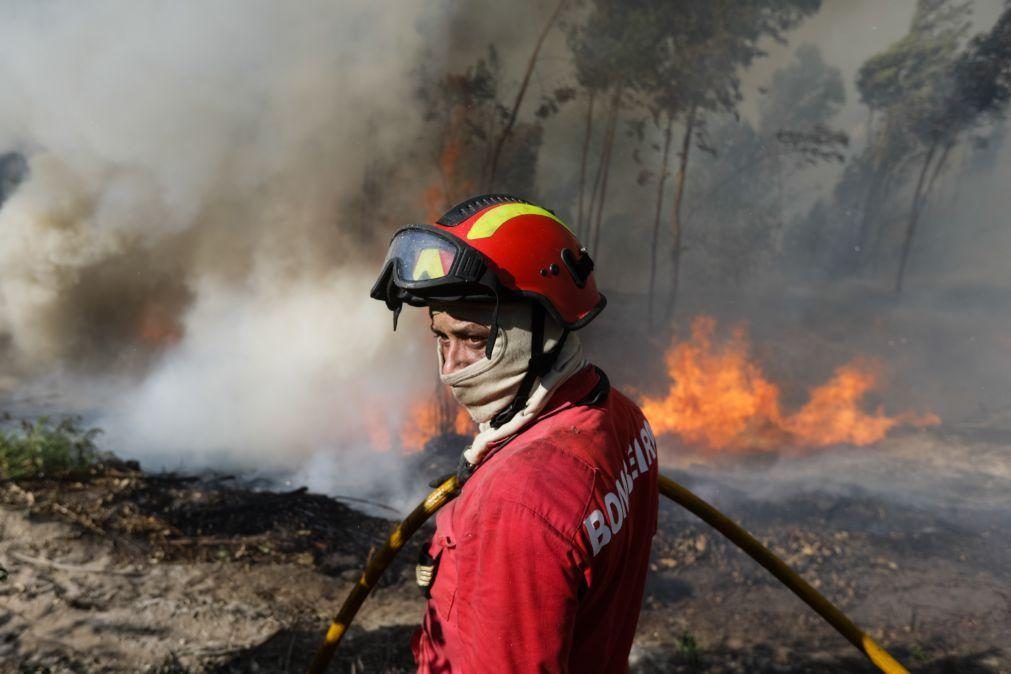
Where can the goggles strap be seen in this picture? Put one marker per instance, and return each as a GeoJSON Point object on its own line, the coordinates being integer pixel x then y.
{"type": "Point", "coordinates": [392, 298]}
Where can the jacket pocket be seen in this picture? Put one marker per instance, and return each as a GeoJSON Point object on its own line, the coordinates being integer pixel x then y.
{"type": "Point", "coordinates": [444, 585]}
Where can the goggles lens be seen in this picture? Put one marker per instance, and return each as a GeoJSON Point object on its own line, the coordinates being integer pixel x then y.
{"type": "Point", "coordinates": [421, 255]}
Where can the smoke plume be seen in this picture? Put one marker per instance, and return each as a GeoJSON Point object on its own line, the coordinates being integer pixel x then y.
{"type": "Point", "coordinates": [188, 259]}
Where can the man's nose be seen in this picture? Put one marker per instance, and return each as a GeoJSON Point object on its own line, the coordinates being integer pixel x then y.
{"type": "Point", "coordinates": [452, 357]}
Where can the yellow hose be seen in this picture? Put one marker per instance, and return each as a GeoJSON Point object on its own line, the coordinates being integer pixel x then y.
{"type": "Point", "coordinates": [672, 490]}
{"type": "Point", "coordinates": [442, 495]}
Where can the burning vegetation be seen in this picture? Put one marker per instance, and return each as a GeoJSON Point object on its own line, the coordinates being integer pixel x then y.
{"type": "Point", "coordinates": [720, 400]}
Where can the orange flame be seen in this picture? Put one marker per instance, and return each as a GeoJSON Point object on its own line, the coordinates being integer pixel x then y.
{"type": "Point", "coordinates": [721, 400]}
{"type": "Point", "coordinates": [424, 422]}
{"type": "Point", "coordinates": [426, 419]}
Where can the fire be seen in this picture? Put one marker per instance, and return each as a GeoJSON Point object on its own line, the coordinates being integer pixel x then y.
{"type": "Point", "coordinates": [426, 419]}
{"type": "Point", "coordinates": [719, 399]}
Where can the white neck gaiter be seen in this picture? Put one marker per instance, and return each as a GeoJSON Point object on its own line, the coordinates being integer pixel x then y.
{"type": "Point", "coordinates": [486, 386]}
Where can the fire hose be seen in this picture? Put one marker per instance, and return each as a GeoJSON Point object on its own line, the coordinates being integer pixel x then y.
{"type": "Point", "coordinates": [448, 490]}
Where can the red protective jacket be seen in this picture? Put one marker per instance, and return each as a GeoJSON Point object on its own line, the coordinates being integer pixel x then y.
{"type": "Point", "coordinates": [543, 557]}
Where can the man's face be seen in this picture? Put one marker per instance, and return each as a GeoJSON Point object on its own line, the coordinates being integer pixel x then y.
{"type": "Point", "coordinates": [461, 340]}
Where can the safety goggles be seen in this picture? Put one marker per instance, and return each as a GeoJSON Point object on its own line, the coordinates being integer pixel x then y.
{"type": "Point", "coordinates": [424, 264]}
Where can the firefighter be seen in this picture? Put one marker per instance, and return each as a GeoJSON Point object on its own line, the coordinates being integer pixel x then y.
{"type": "Point", "coordinates": [540, 562]}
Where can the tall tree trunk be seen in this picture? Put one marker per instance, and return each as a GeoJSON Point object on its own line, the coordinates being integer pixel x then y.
{"type": "Point", "coordinates": [914, 215]}
{"type": "Point", "coordinates": [597, 177]}
{"type": "Point", "coordinates": [497, 152]}
{"type": "Point", "coordinates": [676, 224]}
{"type": "Point", "coordinates": [606, 165]}
{"type": "Point", "coordinates": [941, 161]}
{"type": "Point", "coordinates": [874, 197]}
{"type": "Point", "coordinates": [582, 165]}
{"type": "Point", "coordinates": [661, 183]}
{"type": "Point", "coordinates": [876, 246]}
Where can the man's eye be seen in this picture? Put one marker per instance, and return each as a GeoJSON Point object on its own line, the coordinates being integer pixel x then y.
{"type": "Point", "coordinates": [477, 340]}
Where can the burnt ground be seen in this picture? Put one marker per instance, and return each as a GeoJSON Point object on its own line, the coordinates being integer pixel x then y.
{"type": "Point", "coordinates": [135, 572]}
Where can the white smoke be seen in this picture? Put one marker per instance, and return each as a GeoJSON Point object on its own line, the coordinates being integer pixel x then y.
{"type": "Point", "coordinates": [266, 374]}
{"type": "Point", "coordinates": [190, 167]}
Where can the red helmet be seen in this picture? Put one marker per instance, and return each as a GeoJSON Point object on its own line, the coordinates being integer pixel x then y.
{"type": "Point", "coordinates": [493, 247]}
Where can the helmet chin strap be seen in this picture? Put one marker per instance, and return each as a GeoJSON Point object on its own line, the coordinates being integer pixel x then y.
{"type": "Point", "coordinates": [540, 363]}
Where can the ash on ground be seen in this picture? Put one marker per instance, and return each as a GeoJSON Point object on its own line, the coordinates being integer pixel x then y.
{"type": "Point", "coordinates": [131, 572]}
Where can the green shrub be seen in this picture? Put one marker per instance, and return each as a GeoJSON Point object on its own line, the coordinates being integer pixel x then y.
{"type": "Point", "coordinates": [47, 449]}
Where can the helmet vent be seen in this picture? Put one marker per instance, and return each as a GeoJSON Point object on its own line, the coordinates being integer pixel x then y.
{"type": "Point", "coordinates": [580, 268]}
{"type": "Point", "coordinates": [462, 211]}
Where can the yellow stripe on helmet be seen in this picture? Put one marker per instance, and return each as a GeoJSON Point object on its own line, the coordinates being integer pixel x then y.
{"type": "Point", "coordinates": [494, 218]}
